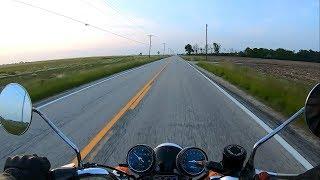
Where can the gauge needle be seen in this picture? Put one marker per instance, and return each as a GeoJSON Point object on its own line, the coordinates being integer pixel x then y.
{"type": "Point", "coordinates": [139, 158]}
{"type": "Point", "coordinates": [197, 162]}
{"type": "Point", "coordinates": [193, 161]}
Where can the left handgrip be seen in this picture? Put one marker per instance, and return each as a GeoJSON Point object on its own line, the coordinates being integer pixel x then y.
{"type": "Point", "coordinates": [63, 173]}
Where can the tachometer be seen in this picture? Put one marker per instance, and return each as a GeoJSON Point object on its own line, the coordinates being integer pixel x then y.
{"type": "Point", "coordinates": [141, 159]}
{"type": "Point", "coordinates": [190, 161]}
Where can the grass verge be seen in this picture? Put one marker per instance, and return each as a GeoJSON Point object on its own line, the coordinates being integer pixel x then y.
{"type": "Point", "coordinates": [47, 78]}
{"type": "Point", "coordinates": [283, 95]}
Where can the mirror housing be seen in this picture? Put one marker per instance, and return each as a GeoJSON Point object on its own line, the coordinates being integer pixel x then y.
{"type": "Point", "coordinates": [15, 109]}
{"type": "Point", "coordinates": [312, 110]}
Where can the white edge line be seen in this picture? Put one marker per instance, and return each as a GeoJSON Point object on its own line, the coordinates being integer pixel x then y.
{"type": "Point", "coordinates": [87, 87]}
{"type": "Point", "coordinates": [305, 163]}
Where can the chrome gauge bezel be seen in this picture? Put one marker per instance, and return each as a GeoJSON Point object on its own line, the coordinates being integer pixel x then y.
{"type": "Point", "coordinates": [179, 161]}
{"type": "Point", "coordinates": [153, 158]}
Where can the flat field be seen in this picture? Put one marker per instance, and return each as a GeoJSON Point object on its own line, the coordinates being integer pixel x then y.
{"type": "Point", "coordinates": [305, 72]}
{"type": "Point", "coordinates": [46, 78]}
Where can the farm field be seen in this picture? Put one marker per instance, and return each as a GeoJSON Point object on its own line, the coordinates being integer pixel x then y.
{"type": "Point", "coordinates": [45, 78]}
{"type": "Point", "coordinates": [305, 72]}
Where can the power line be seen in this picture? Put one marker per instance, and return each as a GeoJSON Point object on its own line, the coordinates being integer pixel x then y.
{"type": "Point", "coordinates": [119, 12]}
{"type": "Point", "coordinates": [78, 21]}
{"type": "Point", "coordinates": [130, 19]}
{"type": "Point", "coordinates": [93, 6]}
{"type": "Point", "coordinates": [100, 10]}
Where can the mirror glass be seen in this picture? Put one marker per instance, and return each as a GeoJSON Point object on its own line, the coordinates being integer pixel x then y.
{"type": "Point", "coordinates": [15, 109]}
{"type": "Point", "coordinates": [312, 110]}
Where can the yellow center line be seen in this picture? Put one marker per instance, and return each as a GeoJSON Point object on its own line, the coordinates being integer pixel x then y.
{"type": "Point", "coordinates": [130, 105]}
{"type": "Point", "coordinates": [135, 104]}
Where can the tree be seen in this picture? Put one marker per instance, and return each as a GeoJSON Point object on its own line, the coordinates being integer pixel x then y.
{"type": "Point", "coordinates": [188, 49]}
{"type": "Point", "coordinates": [248, 51]}
{"type": "Point", "coordinates": [158, 52]}
{"type": "Point", "coordinates": [216, 48]}
{"type": "Point", "coordinates": [280, 53]}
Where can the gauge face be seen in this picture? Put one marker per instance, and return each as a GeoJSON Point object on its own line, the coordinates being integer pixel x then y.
{"type": "Point", "coordinates": [141, 159]}
{"type": "Point", "coordinates": [189, 161]}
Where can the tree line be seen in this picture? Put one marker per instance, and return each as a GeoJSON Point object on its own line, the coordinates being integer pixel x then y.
{"type": "Point", "coordinates": [280, 53]}
{"type": "Point", "coordinates": [195, 49]}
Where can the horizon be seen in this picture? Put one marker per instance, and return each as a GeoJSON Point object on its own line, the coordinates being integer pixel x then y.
{"type": "Point", "coordinates": [32, 34]}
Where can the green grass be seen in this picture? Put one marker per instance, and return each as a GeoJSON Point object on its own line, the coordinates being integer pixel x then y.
{"type": "Point", "coordinates": [283, 95]}
{"type": "Point", "coordinates": [14, 127]}
{"type": "Point", "coordinates": [46, 78]}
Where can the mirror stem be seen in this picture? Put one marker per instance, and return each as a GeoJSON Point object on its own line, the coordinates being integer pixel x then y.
{"type": "Point", "coordinates": [60, 133]}
{"type": "Point", "coordinates": [250, 163]}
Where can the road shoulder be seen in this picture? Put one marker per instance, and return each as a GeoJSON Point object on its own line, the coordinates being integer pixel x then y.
{"type": "Point", "coordinates": [300, 138]}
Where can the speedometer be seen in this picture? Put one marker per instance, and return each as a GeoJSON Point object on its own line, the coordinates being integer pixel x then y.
{"type": "Point", "coordinates": [190, 161]}
{"type": "Point", "coordinates": [141, 159]}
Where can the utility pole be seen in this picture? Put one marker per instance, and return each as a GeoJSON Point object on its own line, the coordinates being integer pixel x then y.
{"type": "Point", "coordinates": [164, 48]}
{"type": "Point", "coordinates": [206, 42]}
{"type": "Point", "coordinates": [150, 35]}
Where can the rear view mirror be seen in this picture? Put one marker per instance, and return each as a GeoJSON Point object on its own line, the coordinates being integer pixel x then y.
{"type": "Point", "coordinates": [15, 109]}
{"type": "Point", "coordinates": [16, 114]}
{"type": "Point", "coordinates": [312, 110]}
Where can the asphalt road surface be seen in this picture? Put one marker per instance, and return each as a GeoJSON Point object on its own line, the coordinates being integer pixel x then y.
{"type": "Point", "coordinates": [181, 107]}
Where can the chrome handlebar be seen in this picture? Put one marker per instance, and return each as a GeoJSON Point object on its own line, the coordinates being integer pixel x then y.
{"type": "Point", "coordinates": [257, 171]}
{"type": "Point", "coordinates": [275, 174]}
{"type": "Point", "coordinates": [94, 171]}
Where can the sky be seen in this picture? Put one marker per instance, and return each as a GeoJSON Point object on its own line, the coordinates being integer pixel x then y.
{"type": "Point", "coordinates": [31, 34]}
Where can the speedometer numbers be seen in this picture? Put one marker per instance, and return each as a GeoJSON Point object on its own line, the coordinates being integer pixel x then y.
{"type": "Point", "coordinates": [141, 159]}
{"type": "Point", "coordinates": [190, 161]}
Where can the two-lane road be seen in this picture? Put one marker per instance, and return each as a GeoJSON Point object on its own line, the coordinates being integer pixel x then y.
{"type": "Point", "coordinates": [179, 106]}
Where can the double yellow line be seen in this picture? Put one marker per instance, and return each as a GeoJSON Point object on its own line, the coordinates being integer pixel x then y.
{"type": "Point", "coordinates": [131, 104]}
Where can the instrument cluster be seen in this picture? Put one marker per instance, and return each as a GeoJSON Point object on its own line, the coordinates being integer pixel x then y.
{"type": "Point", "coordinates": [190, 161]}
{"type": "Point", "coordinates": [141, 159]}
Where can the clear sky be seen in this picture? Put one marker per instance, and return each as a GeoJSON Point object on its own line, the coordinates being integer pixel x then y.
{"type": "Point", "coordinates": [28, 34]}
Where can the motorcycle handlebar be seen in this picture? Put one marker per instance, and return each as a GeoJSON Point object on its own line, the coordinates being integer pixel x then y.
{"type": "Point", "coordinates": [74, 173]}
{"type": "Point", "coordinates": [274, 174]}
{"type": "Point", "coordinates": [92, 171]}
